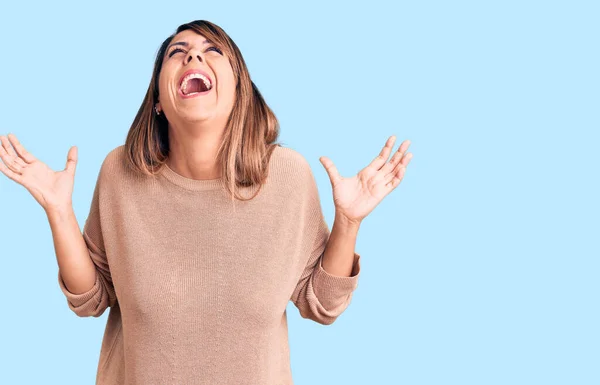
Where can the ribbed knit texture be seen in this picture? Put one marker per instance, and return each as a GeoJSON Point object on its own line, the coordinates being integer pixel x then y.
{"type": "Point", "coordinates": [197, 290]}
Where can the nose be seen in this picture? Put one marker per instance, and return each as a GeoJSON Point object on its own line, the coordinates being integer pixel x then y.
{"type": "Point", "coordinates": [191, 55]}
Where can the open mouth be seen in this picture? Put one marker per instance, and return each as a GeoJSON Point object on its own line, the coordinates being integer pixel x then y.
{"type": "Point", "coordinates": [195, 83]}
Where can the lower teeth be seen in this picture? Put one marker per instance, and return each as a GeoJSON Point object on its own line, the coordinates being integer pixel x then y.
{"type": "Point", "coordinates": [195, 92]}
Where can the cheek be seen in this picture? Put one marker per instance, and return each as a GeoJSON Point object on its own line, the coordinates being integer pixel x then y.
{"type": "Point", "coordinates": [162, 88]}
{"type": "Point", "coordinates": [165, 83]}
{"type": "Point", "coordinates": [166, 92]}
{"type": "Point", "coordinates": [229, 84]}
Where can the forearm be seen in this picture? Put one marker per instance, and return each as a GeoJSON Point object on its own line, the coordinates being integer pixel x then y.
{"type": "Point", "coordinates": [338, 258]}
{"type": "Point", "coordinates": [75, 264]}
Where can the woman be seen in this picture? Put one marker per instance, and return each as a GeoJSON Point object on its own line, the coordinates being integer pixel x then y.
{"type": "Point", "coordinates": [197, 282]}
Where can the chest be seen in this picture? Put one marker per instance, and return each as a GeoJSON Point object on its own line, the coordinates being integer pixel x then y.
{"type": "Point", "coordinates": [205, 261]}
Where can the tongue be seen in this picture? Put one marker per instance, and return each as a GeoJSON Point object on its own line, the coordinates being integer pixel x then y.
{"type": "Point", "coordinates": [194, 85]}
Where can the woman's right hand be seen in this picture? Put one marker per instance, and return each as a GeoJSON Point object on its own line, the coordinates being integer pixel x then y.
{"type": "Point", "coordinates": [52, 189]}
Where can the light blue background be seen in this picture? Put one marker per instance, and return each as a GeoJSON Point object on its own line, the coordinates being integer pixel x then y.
{"type": "Point", "coordinates": [480, 268]}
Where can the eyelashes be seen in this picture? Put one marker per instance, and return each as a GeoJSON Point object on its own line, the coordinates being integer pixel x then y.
{"type": "Point", "coordinates": [181, 50]}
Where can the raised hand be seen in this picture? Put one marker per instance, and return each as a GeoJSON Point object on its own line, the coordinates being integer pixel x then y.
{"type": "Point", "coordinates": [52, 189]}
{"type": "Point", "coordinates": [355, 197]}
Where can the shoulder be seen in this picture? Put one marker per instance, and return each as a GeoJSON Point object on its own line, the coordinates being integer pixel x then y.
{"type": "Point", "coordinates": [116, 155]}
{"type": "Point", "coordinates": [290, 160]}
{"type": "Point", "coordinates": [113, 163]}
{"type": "Point", "coordinates": [291, 171]}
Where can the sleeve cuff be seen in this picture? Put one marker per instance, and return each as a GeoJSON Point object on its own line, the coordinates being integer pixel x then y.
{"type": "Point", "coordinates": [77, 300]}
{"type": "Point", "coordinates": [331, 290]}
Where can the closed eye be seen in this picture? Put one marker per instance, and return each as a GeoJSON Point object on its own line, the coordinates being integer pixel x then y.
{"type": "Point", "coordinates": [175, 50]}
{"type": "Point", "coordinates": [181, 50]}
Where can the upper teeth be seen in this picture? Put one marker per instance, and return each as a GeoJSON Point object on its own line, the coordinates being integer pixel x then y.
{"type": "Point", "coordinates": [195, 76]}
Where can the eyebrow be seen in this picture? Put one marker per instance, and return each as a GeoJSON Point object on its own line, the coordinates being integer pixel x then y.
{"type": "Point", "coordinates": [183, 43]}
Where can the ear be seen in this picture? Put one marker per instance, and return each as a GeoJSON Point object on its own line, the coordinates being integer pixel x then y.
{"type": "Point", "coordinates": [157, 107]}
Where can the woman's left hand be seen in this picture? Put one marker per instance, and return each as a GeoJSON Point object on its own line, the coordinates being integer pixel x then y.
{"type": "Point", "coordinates": [355, 197]}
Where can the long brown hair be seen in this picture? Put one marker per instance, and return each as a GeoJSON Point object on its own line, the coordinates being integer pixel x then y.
{"type": "Point", "coordinates": [250, 132]}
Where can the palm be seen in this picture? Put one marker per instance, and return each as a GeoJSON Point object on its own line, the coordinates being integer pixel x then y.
{"type": "Point", "coordinates": [51, 189]}
{"type": "Point", "coordinates": [48, 187]}
{"type": "Point", "coordinates": [355, 197]}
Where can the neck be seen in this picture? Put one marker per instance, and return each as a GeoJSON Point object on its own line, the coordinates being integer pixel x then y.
{"type": "Point", "coordinates": [193, 150]}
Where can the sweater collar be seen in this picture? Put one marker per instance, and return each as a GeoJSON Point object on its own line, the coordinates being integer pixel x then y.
{"type": "Point", "coordinates": [188, 183]}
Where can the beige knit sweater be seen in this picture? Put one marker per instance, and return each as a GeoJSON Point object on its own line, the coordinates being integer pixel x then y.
{"type": "Point", "coordinates": [197, 290]}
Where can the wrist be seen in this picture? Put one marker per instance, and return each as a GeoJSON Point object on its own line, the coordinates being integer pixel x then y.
{"type": "Point", "coordinates": [61, 211]}
{"type": "Point", "coordinates": [351, 224]}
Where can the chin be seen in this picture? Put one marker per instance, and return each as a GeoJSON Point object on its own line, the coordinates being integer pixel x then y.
{"type": "Point", "coordinates": [197, 116]}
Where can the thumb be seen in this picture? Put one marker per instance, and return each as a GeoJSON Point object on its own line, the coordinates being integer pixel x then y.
{"type": "Point", "coordinates": [71, 160]}
{"type": "Point", "coordinates": [332, 171]}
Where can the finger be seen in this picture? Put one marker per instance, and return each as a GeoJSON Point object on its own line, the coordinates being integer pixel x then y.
{"type": "Point", "coordinates": [3, 154]}
{"type": "Point", "coordinates": [9, 160]}
{"type": "Point", "coordinates": [403, 163]}
{"type": "Point", "coordinates": [396, 179]}
{"type": "Point", "coordinates": [332, 171]}
{"type": "Point", "coordinates": [384, 154]}
{"type": "Point", "coordinates": [7, 147]}
{"type": "Point", "coordinates": [391, 165]}
{"type": "Point", "coordinates": [27, 156]}
{"type": "Point", "coordinates": [71, 160]}
{"type": "Point", "coordinates": [11, 174]}
{"type": "Point", "coordinates": [389, 176]}
{"type": "Point", "coordinates": [15, 166]}
{"type": "Point", "coordinates": [406, 159]}
{"type": "Point", "coordinates": [14, 157]}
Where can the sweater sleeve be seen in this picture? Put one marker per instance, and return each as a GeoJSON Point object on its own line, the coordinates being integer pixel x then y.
{"type": "Point", "coordinates": [102, 295]}
{"type": "Point", "coordinates": [319, 295]}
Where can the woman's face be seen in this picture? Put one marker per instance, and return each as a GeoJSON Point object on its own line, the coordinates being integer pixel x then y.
{"type": "Point", "coordinates": [194, 98]}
